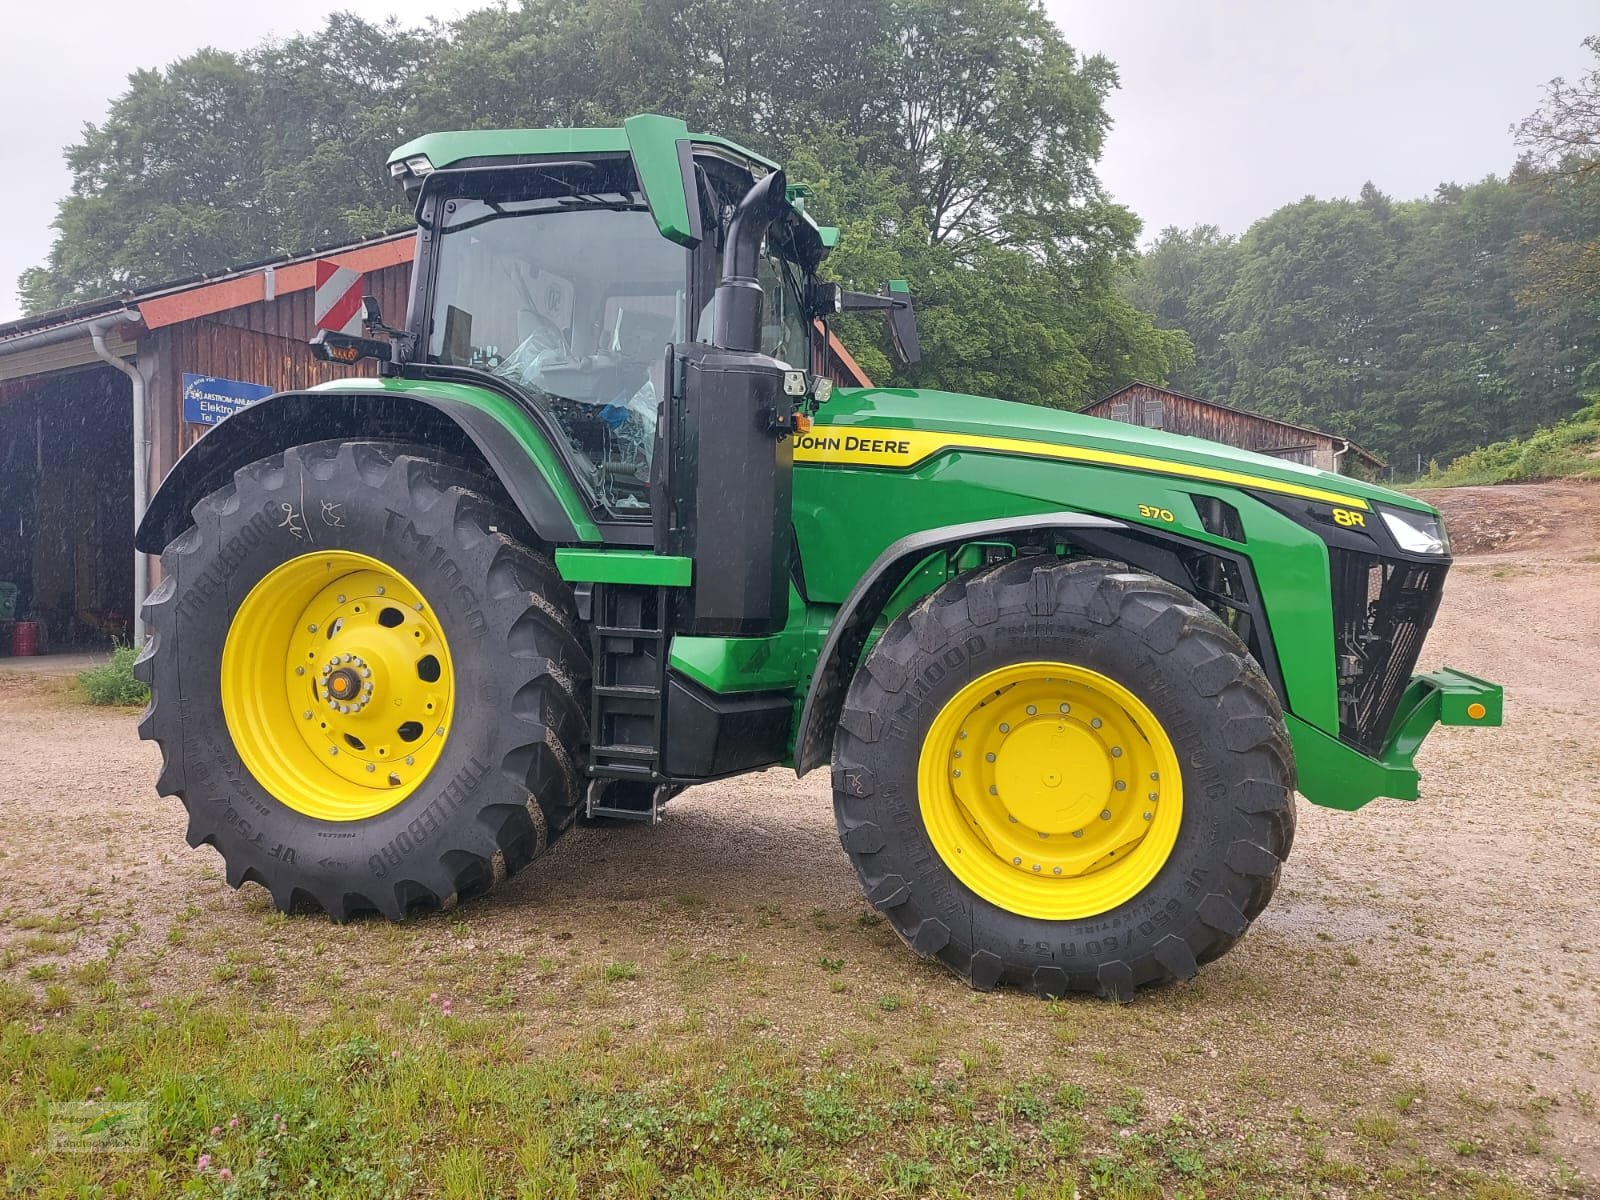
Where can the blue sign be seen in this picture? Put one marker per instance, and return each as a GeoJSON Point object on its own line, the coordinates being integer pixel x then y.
{"type": "Point", "coordinates": [207, 399]}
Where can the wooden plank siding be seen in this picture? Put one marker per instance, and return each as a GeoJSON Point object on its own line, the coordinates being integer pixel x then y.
{"type": "Point", "coordinates": [264, 342]}
{"type": "Point", "coordinates": [1153, 407]}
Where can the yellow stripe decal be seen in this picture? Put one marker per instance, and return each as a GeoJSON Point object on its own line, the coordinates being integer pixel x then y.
{"type": "Point", "coordinates": [869, 446]}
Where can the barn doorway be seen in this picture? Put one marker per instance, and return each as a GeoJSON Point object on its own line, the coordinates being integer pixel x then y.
{"type": "Point", "coordinates": [66, 509]}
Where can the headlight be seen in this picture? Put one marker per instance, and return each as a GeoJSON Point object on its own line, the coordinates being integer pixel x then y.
{"type": "Point", "coordinates": [1417, 533]}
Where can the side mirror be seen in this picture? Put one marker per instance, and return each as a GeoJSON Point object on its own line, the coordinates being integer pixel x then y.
{"type": "Point", "coordinates": [372, 317]}
{"type": "Point", "coordinates": [895, 301]}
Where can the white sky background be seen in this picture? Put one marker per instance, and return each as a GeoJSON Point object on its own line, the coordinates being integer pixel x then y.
{"type": "Point", "coordinates": [1228, 108]}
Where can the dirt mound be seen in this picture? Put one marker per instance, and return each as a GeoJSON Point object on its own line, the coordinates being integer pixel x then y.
{"type": "Point", "coordinates": [1562, 517]}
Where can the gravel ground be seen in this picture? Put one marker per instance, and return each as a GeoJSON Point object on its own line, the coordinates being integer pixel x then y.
{"type": "Point", "coordinates": [1447, 945]}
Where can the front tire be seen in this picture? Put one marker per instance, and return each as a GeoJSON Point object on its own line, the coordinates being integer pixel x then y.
{"type": "Point", "coordinates": [367, 695]}
{"type": "Point", "coordinates": [1064, 776]}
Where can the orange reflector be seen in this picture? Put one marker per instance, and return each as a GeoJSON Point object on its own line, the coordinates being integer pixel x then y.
{"type": "Point", "coordinates": [1477, 711]}
{"type": "Point", "coordinates": [802, 423]}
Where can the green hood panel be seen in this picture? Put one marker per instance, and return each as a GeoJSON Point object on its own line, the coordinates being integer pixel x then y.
{"type": "Point", "coordinates": [986, 424]}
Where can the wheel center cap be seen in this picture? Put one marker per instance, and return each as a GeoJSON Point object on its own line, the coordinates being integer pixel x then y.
{"type": "Point", "coordinates": [343, 684]}
{"type": "Point", "coordinates": [347, 683]}
{"type": "Point", "coordinates": [1053, 775]}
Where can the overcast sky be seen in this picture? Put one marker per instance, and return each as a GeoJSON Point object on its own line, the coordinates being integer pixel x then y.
{"type": "Point", "coordinates": [1228, 108]}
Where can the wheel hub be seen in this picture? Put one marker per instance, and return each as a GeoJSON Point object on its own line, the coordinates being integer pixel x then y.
{"type": "Point", "coordinates": [337, 685]}
{"type": "Point", "coordinates": [1050, 789]}
{"type": "Point", "coordinates": [347, 682]}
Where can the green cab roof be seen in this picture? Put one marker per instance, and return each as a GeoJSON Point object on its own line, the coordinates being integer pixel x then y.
{"type": "Point", "coordinates": [653, 141]}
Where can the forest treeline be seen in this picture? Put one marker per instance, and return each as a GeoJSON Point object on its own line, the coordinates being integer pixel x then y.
{"type": "Point", "coordinates": [1421, 328]}
{"type": "Point", "coordinates": [956, 146]}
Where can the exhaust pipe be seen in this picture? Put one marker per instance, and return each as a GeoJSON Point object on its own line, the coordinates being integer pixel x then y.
{"type": "Point", "coordinates": [738, 317]}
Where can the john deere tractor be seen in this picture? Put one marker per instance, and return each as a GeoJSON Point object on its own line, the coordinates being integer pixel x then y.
{"type": "Point", "coordinates": [600, 529]}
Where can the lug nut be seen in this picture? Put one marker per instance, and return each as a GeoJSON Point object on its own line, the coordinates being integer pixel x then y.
{"type": "Point", "coordinates": [1095, 724]}
{"type": "Point", "coordinates": [1105, 814]}
{"type": "Point", "coordinates": [1016, 862]}
{"type": "Point", "coordinates": [333, 749]}
{"type": "Point", "coordinates": [371, 767]}
{"type": "Point", "coordinates": [410, 760]}
{"type": "Point", "coordinates": [1121, 785]}
{"type": "Point", "coordinates": [341, 597]}
{"type": "Point", "coordinates": [1033, 712]}
{"type": "Point", "coordinates": [307, 714]}
{"type": "Point", "coordinates": [299, 670]}
{"type": "Point", "coordinates": [1116, 752]}
{"type": "Point", "coordinates": [1147, 816]}
{"type": "Point", "coordinates": [311, 628]}
{"type": "Point", "coordinates": [1058, 870]}
{"type": "Point", "coordinates": [1077, 833]}
{"type": "Point", "coordinates": [993, 791]}
{"type": "Point", "coordinates": [1066, 708]}
{"type": "Point", "coordinates": [1004, 728]}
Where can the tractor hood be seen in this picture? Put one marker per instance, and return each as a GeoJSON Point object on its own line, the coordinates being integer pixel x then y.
{"type": "Point", "coordinates": [924, 423]}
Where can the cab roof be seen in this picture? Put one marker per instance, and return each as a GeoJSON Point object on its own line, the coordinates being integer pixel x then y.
{"type": "Point", "coordinates": [662, 149]}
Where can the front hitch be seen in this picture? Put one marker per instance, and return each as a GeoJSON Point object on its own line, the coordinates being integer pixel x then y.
{"type": "Point", "coordinates": [1336, 775]}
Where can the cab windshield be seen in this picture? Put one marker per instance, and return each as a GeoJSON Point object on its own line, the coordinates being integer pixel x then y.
{"type": "Point", "coordinates": [573, 299]}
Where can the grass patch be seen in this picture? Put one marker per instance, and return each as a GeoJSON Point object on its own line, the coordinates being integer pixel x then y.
{"type": "Point", "coordinates": [1567, 450]}
{"type": "Point", "coordinates": [112, 682]}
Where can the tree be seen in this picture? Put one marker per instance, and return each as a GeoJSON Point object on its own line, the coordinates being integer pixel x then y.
{"type": "Point", "coordinates": [954, 143]}
{"type": "Point", "coordinates": [223, 158]}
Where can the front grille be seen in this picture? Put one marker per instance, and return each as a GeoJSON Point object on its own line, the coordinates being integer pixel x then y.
{"type": "Point", "coordinates": [1382, 609]}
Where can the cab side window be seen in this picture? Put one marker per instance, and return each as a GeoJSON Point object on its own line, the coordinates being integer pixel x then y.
{"type": "Point", "coordinates": [784, 335]}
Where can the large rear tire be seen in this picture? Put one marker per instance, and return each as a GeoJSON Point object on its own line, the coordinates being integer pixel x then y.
{"type": "Point", "coordinates": [367, 694]}
{"type": "Point", "coordinates": [1064, 776]}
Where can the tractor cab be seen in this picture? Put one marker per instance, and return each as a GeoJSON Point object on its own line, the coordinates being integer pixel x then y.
{"type": "Point", "coordinates": [554, 278]}
{"type": "Point", "coordinates": [650, 297]}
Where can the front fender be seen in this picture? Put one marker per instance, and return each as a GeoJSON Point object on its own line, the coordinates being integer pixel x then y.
{"type": "Point", "coordinates": [472, 425]}
{"type": "Point", "coordinates": [853, 623]}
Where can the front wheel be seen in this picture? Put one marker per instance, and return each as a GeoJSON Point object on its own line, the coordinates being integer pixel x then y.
{"type": "Point", "coordinates": [1065, 776]}
{"type": "Point", "coordinates": [367, 695]}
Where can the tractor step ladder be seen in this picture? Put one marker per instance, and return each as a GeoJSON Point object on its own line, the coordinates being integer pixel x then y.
{"type": "Point", "coordinates": [627, 708]}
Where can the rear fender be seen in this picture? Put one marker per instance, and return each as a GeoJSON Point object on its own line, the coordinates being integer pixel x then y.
{"type": "Point", "coordinates": [551, 507]}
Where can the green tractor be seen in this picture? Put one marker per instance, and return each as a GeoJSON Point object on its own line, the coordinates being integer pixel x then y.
{"type": "Point", "coordinates": [599, 530]}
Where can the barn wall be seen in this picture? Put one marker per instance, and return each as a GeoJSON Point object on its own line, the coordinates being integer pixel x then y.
{"type": "Point", "coordinates": [265, 342]}
{"type": "Point", "coordinates": [1156, 408]}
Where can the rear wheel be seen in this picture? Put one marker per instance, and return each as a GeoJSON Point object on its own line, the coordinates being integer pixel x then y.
{"type": "Point", "coordinates": [1064, 776]}
{"type": "Point", "coordinates": [367, 695]}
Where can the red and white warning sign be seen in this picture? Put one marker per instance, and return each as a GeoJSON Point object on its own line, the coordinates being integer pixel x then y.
{"type": "Point", "coordinates": [336, 304]}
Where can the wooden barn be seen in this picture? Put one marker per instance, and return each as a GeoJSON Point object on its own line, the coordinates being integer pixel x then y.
{"type": "Point", "coordinates": [1154, 407]}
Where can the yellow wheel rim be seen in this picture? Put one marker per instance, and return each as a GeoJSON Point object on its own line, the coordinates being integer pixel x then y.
{"type": "Point", "coordinates": [1050, 790]}
{"type": "Point", "coordinates": [337, 685]}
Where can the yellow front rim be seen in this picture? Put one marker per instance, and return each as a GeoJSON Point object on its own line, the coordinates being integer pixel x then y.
{"type": "Point", "coordinates": [337, 685]}
{"type": "Point", "coordinates": [1050, 790]}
